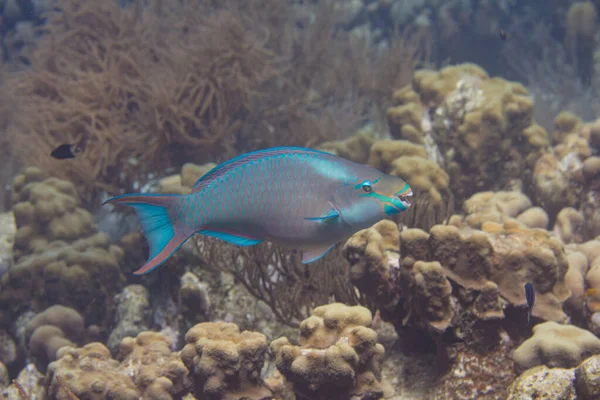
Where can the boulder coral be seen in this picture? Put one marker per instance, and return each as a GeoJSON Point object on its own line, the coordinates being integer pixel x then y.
{"type": "Point", "coordinates": [470, 122]}
{"type": "Point", "coordinates": [225, 363]}
{"type": "Point", "coordinates": [556, 346]}
{"type": "Point", "coordinates": [47, 332]}
{"type": "Point", "coordinates": [337, 357]}
{"type": "Point", "coordinates": [60, 257]}
{"type": "Point", "coordinates": [146, 368]}
{"type": "Point", "coordinates": [457, 277]}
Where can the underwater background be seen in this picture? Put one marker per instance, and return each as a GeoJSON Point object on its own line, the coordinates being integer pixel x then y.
{"type": "Point", "coordinates": [487, 108]}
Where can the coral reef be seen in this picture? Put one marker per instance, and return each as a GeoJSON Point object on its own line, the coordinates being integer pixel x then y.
{"type": "Point", "coordinates": [48, 331]}
{"type": "Point", "coordinates": [493, 264]}
{"type": "Point", "coordinates": [146, 368]}
{"type": "Point", "coordinates": [471, 122]}
{"type": "Point", "coordinates": [338, 356]}
{"type": "Point", "coordinates": [131, 315]}
{"type": "Point", "coordinates": [556, 346]}
{"type": "Point", "coordinates": [580, 382]}
{"type": "Point", "coordinates": [89, 372]}
{"type": "Point", "coordinates": [60, 257]}
{"type": "Point", "coordinates": [409, 160]}
{"type": "Point", "coordinates": [225, 363]}
{"type": "Point", "coordinates": [141, 88]}
{"type": "Point", "coordinates": [7, 237]}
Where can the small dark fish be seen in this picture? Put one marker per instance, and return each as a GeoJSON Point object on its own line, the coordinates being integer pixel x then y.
{"type": "Point", "coordinates": [65, 151]}
{"type": "Point", "coordinates": [503, 34]}
{"type": "Point", "coordinates": [530, 296]}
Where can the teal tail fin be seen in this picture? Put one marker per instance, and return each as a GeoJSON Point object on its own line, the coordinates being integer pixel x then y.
{"type": "Point", "coordinates": [163, 236]}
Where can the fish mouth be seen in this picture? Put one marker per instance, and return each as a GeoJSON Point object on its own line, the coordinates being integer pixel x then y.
{"type": "Point", "coordinates": [404, 198]}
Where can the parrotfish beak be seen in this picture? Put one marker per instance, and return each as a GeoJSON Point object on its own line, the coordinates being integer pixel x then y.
{"type": "Point", "coordinates": [403, 196]}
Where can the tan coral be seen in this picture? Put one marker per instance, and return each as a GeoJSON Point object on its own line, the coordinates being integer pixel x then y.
{"type": "Point", "coordinates": [46, 210]}
{"type": "Point", "coordinates": [556, 346]}
{"type": "Point", "coordinates": [89, 372]}
{"type": "Point", "coordinates": [474, 121]}
{"type": "Point", "coordinates": [384, 152]}
{"type": "Point", "coordinates": [487, 304]}
{"type": "Point", "coordinates": [558, 175]}
{"type": "Point", "coordinates": [157, 372]}
{"type": "Point", "coordinates": [410, 162]}
{"type": "Point", "coordinates": [425, 177]}
{"type": "Point", "coordinates": [55, 327]}
{"type": "Point", "coordinates": [565, 123]}
{"type": "Point", "coordinates": [373, 255]}
{"type": "Point", "coordinates": [431, 294]}
{"type": "Point", "coordinates": [338, 356]}
{"type": "Point", "coordinates": [225, 363]}
{"type": "Point", "coordinates": [534, 217]}
{"type": "Point", "coordinates": [575, 280]}
{"type": "Point", "coordinates": [356, 148]}
{"type": "Point", "coordinates": [568, 225]}
{"type": "Point", "coordinates": [183, 182]}
{"type": "Point", "coordinates": [508, 255]}
{"type": "Point", "coordinates": [592, 279]}
{"type": "Point", "coordinates": [61, 258]}
{"type": "Point", "coordinates": [494, 207]}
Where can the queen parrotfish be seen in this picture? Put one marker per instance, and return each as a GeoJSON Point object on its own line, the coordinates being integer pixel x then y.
{"type": "Point", "coordinates": [296, 197]}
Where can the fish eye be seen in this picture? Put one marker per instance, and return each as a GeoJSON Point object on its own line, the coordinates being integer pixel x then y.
{"type": "Point", "coordinates": [366, 187]}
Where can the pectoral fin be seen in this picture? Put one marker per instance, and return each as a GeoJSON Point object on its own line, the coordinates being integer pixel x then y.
{"type": "Point", "coordinates": [328, 216]}
{"type": "Point", "coordinates": [315, 253]}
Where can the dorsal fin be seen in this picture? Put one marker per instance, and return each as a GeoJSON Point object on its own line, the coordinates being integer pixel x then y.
{"type": "Point", "coordinates": [226, 166]}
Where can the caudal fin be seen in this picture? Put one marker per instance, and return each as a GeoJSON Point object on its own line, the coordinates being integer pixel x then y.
{"type": "Point", "coordinates": [163, 237]}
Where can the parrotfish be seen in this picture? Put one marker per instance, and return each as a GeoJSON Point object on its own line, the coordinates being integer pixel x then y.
{"type": "Point", "coordinates": [297, 197]}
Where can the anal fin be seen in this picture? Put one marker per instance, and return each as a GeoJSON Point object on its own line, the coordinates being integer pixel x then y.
{"type": "Point", "coordinates": [315, 253]}
{"type": "Point", "coordinates": [233, 238]}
